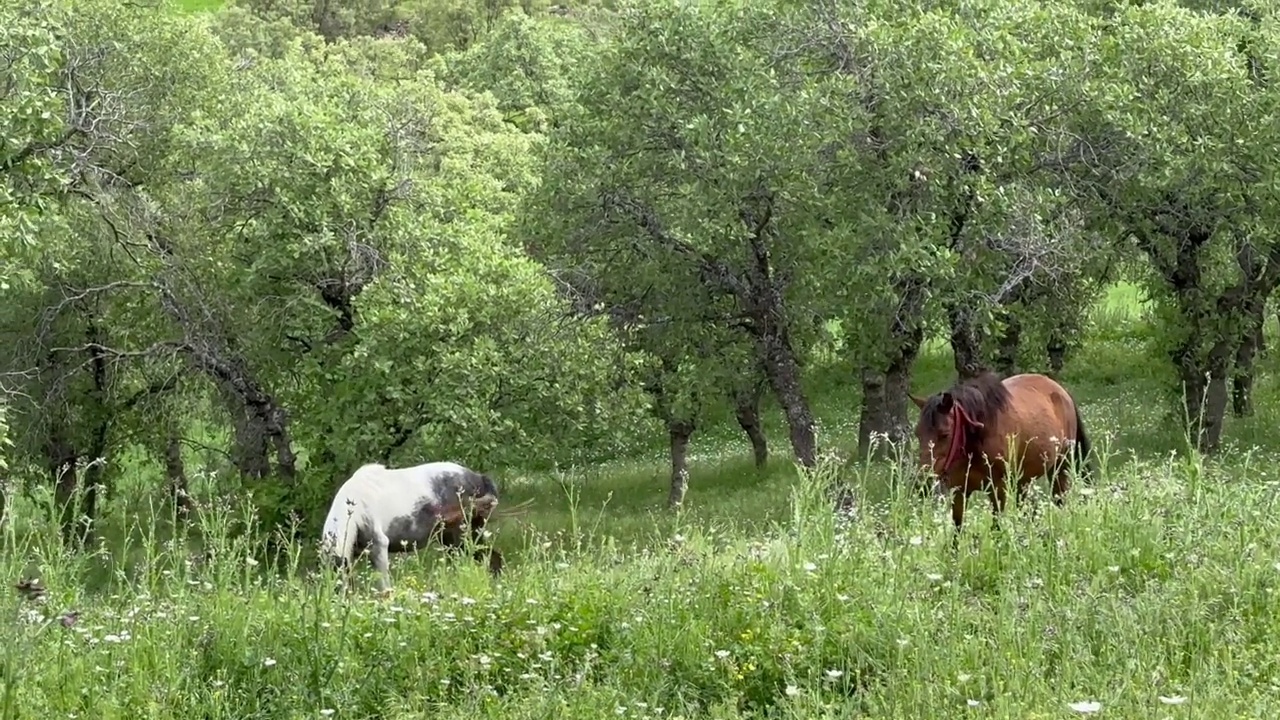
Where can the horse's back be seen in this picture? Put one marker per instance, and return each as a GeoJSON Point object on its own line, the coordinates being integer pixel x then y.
{"type": "Point", "coordinates": [1040, 406]}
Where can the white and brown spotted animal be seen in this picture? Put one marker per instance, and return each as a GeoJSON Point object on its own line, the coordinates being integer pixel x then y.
{"type": "Point", "coordinates": [400, 510]}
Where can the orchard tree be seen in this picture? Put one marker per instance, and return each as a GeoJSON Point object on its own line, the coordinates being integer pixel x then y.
{"type": "Point", "coordinates": [111, 81]}
{"type": "Point", "coordinates": [684, 170]}
{"type": "Point", "coordinates": [927, 174]}
{"type": "Point", "coordinates": [1174, 151]}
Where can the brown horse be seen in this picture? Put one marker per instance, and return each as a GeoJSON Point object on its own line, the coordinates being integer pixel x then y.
{"type": "Point", "coordinates": [972, 423]}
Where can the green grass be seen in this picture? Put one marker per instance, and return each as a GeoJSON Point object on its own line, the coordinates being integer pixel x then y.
{"type": "Point", "coordinates": [198, 5]}
{"type": "Point", "coordinates": [1159, 580]}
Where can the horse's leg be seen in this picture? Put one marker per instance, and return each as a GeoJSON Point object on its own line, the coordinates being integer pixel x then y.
{"type": "Point", "coordinates": [959, 496]}
{"type": "Point", "coordinates": [996, 491]}
{"type": "Point", "coordinates": [378, 554]}
{"type": "Point", "coordinates": [477, 538]}
{"type": "Point", "coordinates": [1061, 484]}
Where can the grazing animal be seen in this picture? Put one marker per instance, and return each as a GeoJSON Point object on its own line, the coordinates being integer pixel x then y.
{"type": "Point", "coordinates": [399, 510]}
{"type": "Point", "coordinates": [964, 437]}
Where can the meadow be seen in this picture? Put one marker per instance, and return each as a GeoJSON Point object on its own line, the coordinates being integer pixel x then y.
{"type": "Point", "coordinates": [1152, 594]}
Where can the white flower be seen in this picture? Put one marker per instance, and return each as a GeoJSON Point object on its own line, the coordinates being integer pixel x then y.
{"type": "Point", "coordinates": [1172, 700]}
{"type": "Point", "coordinates": [792, 691]}
{"type": "Point", "coordinates": [972, 703]}
{"type": "Point", "coordinates": [964, 677]}
{"type": "Point", "coordinates": [834, 674]}
{"type": "Point", "coordinates": [933, 577]}
{"type": "Point", "coordinates": [810, 567]}
{"type": "Point", "coordinates": [916, 540]}
{"type": "Point", "coordinates": [722, 654]}
{"type": "Point", "coordinates": [269, 662]}
{"type": "Point", "coordinates": [327, 712]}
{"type": "Point", "coordinates": [1087, 706]}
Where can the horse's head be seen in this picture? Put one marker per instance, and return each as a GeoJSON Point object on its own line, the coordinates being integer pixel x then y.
{"type": "Point", "coordinates": [944, 432]}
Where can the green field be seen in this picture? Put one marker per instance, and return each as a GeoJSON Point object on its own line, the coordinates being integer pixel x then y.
{"type": "Point", "coordinates": [198, 5]}
{"type": "Point", "coordinates": [1153, 594]}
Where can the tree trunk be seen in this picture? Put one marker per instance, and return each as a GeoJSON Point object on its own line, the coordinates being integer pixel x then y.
{"type": "Point", "coordinates": [61, 459]}
{"type": "Point", "coordinates": [95, 472]}
{"type": "Point", "coordinates": [175, 472]}
{"type": "Point", "coordinates": [885, 388]}
{"type": "Point", "coordinates": [679, 431]}
{"type": "Point", "coordinates": [260, 423]}
{"type": "Point", "coordinates": [250, 451]}
{"type": "Point", "coordinates": [966, 344]}
{"type": "Point", "coordinates": [1007, 347]}
{"type": "Point", "coordinates": [1242, 374]}
{"type": "Point", "coordinates": [1056, 348]}
{"type": "Point", "coordinates": [1205, 387]}
{"type": "Point", "coordinates": [747, 408]}
{"type": "Point", "coordinates": [783, 370]}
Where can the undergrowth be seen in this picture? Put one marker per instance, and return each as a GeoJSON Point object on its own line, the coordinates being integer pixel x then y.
{"type": "Point", "coordinates": [1152, 594]}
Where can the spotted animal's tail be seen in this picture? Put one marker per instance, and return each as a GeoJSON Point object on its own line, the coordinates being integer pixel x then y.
{"type": "Point", "coordinates": [1082, 451]}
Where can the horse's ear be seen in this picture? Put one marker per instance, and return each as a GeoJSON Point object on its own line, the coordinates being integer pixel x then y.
{"type": "Point", "coordinates": [917, 400]}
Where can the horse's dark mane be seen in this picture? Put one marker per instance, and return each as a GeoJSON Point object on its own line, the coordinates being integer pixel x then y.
{"type": "Point", "coordinates": [982, 397]}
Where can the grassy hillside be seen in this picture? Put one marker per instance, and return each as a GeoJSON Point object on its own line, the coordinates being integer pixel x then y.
{"type": "Point", "coordinates": [1153, 594]}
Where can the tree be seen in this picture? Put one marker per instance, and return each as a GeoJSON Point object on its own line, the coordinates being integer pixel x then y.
{"type": "Point", "coordinates": [1173, 151]}
{"type": "Point", "coordinates": [678, 172]}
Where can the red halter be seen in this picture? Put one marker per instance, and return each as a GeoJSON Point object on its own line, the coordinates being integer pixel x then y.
{"type": "Point", "coordinates": [960, 424]}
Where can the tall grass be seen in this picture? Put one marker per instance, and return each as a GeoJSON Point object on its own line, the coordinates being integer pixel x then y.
{"type": "Point", "coordinates": [1152, 594]}
{"type": "Point", "coordinates": [1160, 583]}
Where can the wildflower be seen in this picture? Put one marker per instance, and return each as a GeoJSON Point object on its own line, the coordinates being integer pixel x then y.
{"type": "Point", "coordinates": [1172, 700]}
{"type": "Point", "coordinates": [722, 654]}
{"type": "Point", "coordinates": [792, 691]}
{"type": "Point", "coordinates": [269, 662]}
{"type": "Point", "coordinates": [485, 660]}
{"type": "Point", "coordinates": [964, 677]}
{"type": "Point", "coordinates": [916, 540]}
{"type": "Point", "coordinates": [834, 674]}
{"type": "Point", "coordinates": [972, 703]}
{"type": "Point", "coordinates": [810, 567]}
{"type": "Point", "coordinates": [933, 577]}
{"type": "Point", "coordinates": [327, 712]}
{"type": "Point", "coordinates": [1085, 707]}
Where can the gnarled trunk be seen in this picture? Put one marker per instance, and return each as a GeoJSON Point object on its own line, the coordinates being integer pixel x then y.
{"type": "Point", "coordinates": [1056, 349]}
{"type": "Point", "coordinates": [885, 387]}
{"type": "Point", "coordinates": [782, 367]}
{"type": "Point", "coordinates": [966, 344]}
{"type": "Point", "coordinates": [747, 410]}
{"type": "Point", "coordinates": [1242, 375]}
{"type": "Point", "coordinates": [679, 432]}
{"type": "Point", "coordinates": [61, 461]}
{"type": "Point", "coordinates": [1008, 344]}
{"type": "Point", "coordinates": [175, 472]}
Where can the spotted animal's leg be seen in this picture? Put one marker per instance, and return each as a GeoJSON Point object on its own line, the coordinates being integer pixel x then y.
{"type": "Point", "coordinates": [483, 549]}
{"type": "Point", "coordinates": [378, 554]}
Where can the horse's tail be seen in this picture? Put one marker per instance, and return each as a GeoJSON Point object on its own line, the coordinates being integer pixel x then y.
{"type": "Point", "coordinates": [1082, 450]}
{"type": "Point", "coordinates": [340, 530]}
